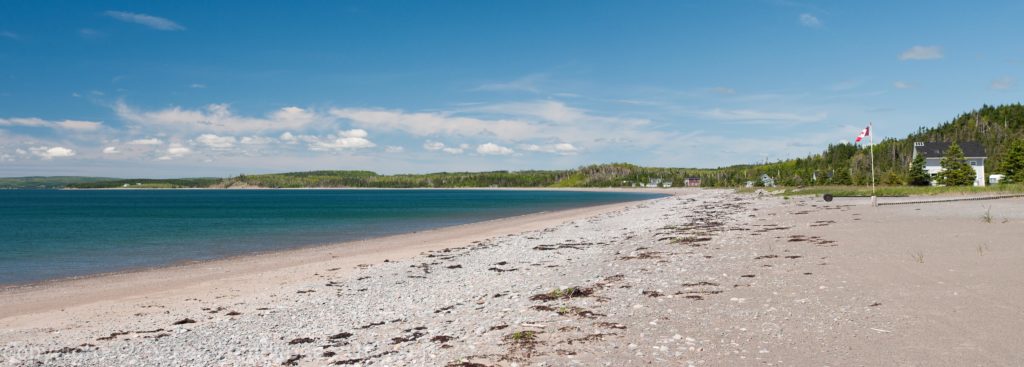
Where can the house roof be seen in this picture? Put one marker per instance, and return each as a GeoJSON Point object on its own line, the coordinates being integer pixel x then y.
{"type": "Point", "coordinates": [972, 149]}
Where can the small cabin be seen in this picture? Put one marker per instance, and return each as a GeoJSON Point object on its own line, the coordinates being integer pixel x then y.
{"type": "Point", "coordinates": [692, 182]}
{"type": "Point", "coordinates": [654, 182]}
{"type": "Point", "coordinates": [933, 153]}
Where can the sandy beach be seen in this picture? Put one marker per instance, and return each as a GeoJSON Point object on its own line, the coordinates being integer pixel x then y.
{"type": "Point", "coordinates": [704, 277]}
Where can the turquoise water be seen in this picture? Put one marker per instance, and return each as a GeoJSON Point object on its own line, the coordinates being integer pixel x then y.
{"type": "Point", "coordinates": [49, 234]}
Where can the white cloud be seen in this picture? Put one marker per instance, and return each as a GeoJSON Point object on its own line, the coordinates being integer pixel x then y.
{"type": "Point", "coordinates": [178, 149]}
{"type": "Point", "coordinates": [148, 141]}
{"type": "Point", "coordinates": [218, 118]}
{"type": "Point", "coordinates": [350, 139]}
{"type": "Point", "coordinates": [48, 153]}
{"type": "Point", "coordinates": [175, 150]}
{"type": "Point", "coordinates": [901, 85]}
{"type": "Point", "coordinates": [431, 123]}
{"type": "Point", "coordinates": [493, 149]}
{"type": "Point", "coordinates": [79, 125]}
{"type": "Point", "coordinates": [9, 34]}
{"type": "Point", "coordinates": [753, 115]}
{"type": "Point", "coordinates": [922, 53]}
{"type": "Point", "coordinates": [456, 150]}
{"type": "Point", "coordinates": [512, 123]}
{"type": "Point", "coordinates": [508, 124]}
{"type": "Point", "coordinates": [293, 116]}
{"type": "Point", "coordinates": [256, 140]}
{"type": "Point", "coordinates": [154, 22]}
{"type": "Point", "coordinates": [518, 121]}
{"type": "Point", "coordinates": [287, 137]}
{"type": "Point", "coordinates": [565, 148]}
{"type": "Point", "coordinates": [560, 148]}
{"type": "Point", "coordinates": [554, 111]}
{"type": "Point", "coordinates": [197, 86]}
{"type": "Point", "coordinates": [76, 125]}
{"type": "Point", "coordinates": [809, 20]}
{"type": "Point", "coordinates": [435, 146]}
{"type": "Point", "coordinates": [20, 121]}
{"type": "Point", "coordinates": [1003, 83]}
{"type": "Point", "coordinates": [541, 126]}
{"type": "Point", "coordinates": [355, 133]}
{"type": "Point", "coordinates": [216, 142]}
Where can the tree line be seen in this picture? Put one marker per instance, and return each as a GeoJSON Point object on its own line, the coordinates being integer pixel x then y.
{"type": "Point", "coordinates": [996, 128]}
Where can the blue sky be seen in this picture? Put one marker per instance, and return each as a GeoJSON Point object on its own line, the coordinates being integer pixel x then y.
{"type": "Point", "coordinates": [164, 89]}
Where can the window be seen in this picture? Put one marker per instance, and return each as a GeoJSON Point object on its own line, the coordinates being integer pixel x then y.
{"type": "Point", "coordinates": [974, 163]}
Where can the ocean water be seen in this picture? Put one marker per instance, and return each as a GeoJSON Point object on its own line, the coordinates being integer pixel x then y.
{"type": "Point", "coordinates": [50, 234]}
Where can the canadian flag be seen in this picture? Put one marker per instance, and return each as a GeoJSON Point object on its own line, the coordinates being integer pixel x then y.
{"type": "Point", "coordinates": [863, 133]}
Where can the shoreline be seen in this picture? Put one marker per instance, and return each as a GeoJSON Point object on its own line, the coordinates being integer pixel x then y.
{"type": "Point", "coordinates": [45, 282]}
{"type": "Point", "coordinates": [48, 295]}
{"type": "Point", "coordinates": [581, 189]}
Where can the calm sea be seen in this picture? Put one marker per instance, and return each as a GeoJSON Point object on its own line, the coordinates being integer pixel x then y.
{"type": "Point", "coordinates": [48, 234]}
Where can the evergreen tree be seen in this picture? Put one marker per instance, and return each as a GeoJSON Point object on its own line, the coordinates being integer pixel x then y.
{"type": "Point", "coordinates": [842, 177]}
{"type": "Point", "coordinates": [955, 170]}
{"type": "Point", "coordinates": [918, 176]}
{"type": "Point", "coordinates": [1013, 164]}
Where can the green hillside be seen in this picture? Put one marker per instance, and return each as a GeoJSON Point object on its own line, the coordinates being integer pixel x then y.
{"type": "Point", "coordinates": [145, 183]}
{"type": "Point", "coordinates": [39, 182]}
{"type": "Point", "coordinates": [845, 164]}
{"type": "Point", "coordinates": [604, 175]}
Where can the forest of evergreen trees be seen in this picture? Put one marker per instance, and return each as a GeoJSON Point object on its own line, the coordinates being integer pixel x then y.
{"type": "Point", "coordinates": [846, 164]}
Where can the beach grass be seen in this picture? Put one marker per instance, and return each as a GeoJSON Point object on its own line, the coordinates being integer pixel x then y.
{"type": "Point", "coordinates": [865, 191]}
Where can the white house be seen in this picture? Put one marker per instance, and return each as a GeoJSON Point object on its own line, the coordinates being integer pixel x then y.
{"type": "Point", "coordinates": [933, 152]}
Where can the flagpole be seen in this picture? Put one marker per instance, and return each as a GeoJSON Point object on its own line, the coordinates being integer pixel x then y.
{"type": "Point", "coordinates": [871, 138]}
